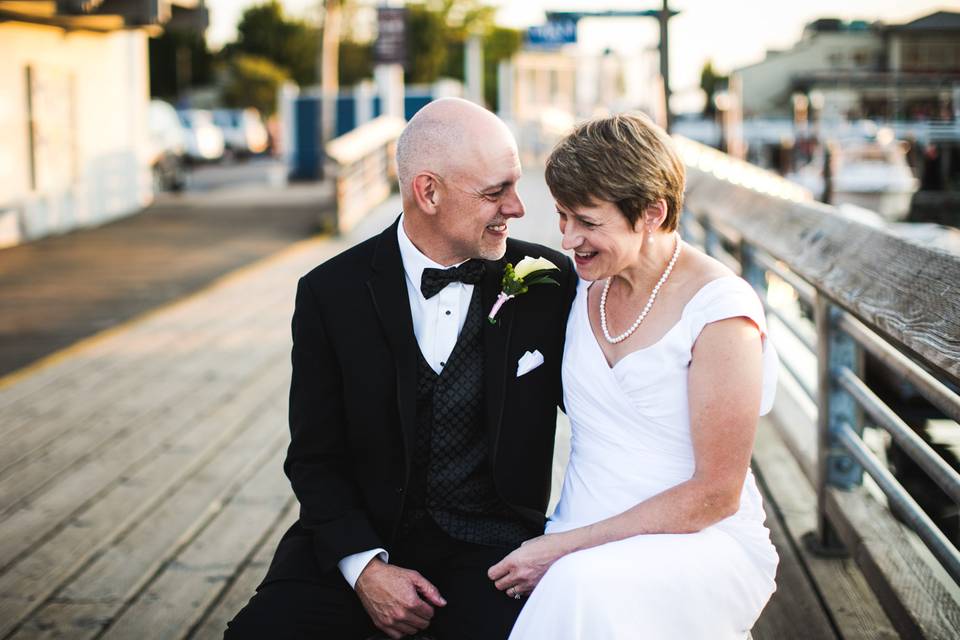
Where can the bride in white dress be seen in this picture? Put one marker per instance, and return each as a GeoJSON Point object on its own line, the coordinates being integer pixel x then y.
{"type": "Point", "coordinates": [659, 532]}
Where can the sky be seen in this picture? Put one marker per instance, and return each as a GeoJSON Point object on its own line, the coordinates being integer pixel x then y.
{"type": "Point", "coordinates": [731, 33]}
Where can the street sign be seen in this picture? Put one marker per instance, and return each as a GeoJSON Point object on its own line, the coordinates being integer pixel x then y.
{"type": "Point", "coordinates": [555, 33]}
{"type": "Point", "coordinates": [391, 44]}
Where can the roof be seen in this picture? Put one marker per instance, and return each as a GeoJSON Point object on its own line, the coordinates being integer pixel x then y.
{"type": "Point", "coordinates": [939, 21]}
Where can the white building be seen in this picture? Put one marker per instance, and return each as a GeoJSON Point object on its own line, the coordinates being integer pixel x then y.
{"type": "Point", "coordinates": [543, 93]}
{"type": "Point", "coordinates": [856, 70]}
{"type": "Point", "coordinates": [73, 112]}
{"type": "Point", "coordinates": [826, 45]}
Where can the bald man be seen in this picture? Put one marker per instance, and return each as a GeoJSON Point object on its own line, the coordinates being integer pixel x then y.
{"type": "Point", "coordinates": [421, 446]}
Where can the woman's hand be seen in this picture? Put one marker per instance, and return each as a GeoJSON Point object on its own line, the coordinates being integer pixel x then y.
{"type": "Point", "coordinates": [520, 571]}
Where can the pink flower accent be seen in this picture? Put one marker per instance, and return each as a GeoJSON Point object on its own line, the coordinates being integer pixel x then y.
{"type": "Point", "coordinates": [501, 298]}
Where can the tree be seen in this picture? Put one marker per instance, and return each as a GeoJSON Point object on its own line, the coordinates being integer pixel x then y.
{"type": "Point", "coordinates": [178, 60]}
{"type": "Point", "coordinates": [501, 44]}
{"type": "Point", "coordinates": [253, 81]}
{"type": "Point", "coordinates": [426, 44]}
{"type": "Point", "coordinates": [356, 62]}
{"type": "Point", "coordinates": [290, 44]}
{"type": "Point", "coordinates": [436, 33]}
{"type": "Point", "coordinates": [711, 82]}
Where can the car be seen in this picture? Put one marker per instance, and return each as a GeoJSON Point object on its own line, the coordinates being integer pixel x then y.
{"type": "Point", "coordinates": [243, 130]}
{"type": "Point", "coordinates": [167, 147]}
{"type": "Point", "coordinates": [204, 139]}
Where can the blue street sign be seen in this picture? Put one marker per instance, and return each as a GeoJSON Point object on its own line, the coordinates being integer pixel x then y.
{"type": "Point", "coordinates": [554, 33]}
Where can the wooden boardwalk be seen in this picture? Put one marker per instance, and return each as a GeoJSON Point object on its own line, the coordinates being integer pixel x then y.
{"type": "Point", "coordinates": [141, 488]}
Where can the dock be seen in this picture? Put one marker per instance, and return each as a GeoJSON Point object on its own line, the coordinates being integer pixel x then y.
{"type": "Point", "coordinates": [141, 485]}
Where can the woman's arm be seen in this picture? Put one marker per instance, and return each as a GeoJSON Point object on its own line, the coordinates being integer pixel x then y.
{"type": "Point", "coordinates": [724, 393]}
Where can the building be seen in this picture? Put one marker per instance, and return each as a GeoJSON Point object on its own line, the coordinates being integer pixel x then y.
{"type": "Point", "coordinates": [852, 70]}
{"type": "Point", "coordinates": [74, 149]}
{"type": "Point", "coordinates": [552, 82]}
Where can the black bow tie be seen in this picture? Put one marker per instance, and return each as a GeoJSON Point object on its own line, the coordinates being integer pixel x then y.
{"type": "Point", "coordinates": [433, 280]}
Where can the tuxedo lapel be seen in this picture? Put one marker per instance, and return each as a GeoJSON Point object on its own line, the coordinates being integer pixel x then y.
{"type": "Point", "coordinates": [389, 292]}
{"type": "Point", "coordinates": [496, 339]}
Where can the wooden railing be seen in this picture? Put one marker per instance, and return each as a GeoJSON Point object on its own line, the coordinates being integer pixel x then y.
{"type": "Point", "coordinates": [362, 163]}
{"type": "Point", "coordinates": [837, 293]}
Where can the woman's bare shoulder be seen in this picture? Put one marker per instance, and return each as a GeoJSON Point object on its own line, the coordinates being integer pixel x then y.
{"type": "Point", "coordinates": [701, 269]}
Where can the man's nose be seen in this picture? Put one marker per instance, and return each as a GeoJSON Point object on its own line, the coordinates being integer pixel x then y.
{"type": "Point", "coordinates": [513, 206]}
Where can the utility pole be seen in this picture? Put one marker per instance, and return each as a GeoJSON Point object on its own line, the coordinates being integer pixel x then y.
{"type": "Point", "coordinates": [329, 68]}
{"type": "Point", "coordinates": [473, 68]}
{"type": "Point", "coordinates": [664, 17]}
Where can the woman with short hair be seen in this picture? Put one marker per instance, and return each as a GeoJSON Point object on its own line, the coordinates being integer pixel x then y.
{"type": "Point", "coordinates": [659, 532]}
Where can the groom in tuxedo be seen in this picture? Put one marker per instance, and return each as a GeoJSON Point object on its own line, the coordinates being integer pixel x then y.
{"type": "Point", "coordinates": [421, 437]}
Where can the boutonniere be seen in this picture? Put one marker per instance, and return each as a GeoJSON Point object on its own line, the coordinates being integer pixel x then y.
{"type": "Point", "coordinates": [516, 280]}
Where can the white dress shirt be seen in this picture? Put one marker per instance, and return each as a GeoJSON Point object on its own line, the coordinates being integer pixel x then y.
{"type": "Point", "coordinates": [436, 324]}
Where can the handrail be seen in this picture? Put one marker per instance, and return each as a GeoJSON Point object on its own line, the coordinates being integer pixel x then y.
{"type": "Point", "coordinates": [932, 389]}
{"type": "Point", "coordinates": [939, 545]}
{"type": "Point", "coordinates": [871, 292]}
{"type": "Point", "coordinates": [364, 169]}
{"type": "Point", "coordinates": [914, 446]}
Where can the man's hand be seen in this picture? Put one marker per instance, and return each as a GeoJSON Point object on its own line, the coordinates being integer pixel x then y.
{"type": "Point", "coordinates": [399, 601]}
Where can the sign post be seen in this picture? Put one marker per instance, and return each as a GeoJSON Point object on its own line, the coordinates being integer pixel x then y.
{"type": "Point", "coordinates": [390, 57]}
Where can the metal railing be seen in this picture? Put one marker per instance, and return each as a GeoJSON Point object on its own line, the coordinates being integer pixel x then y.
{"type": "Point", "coordinates": [842, 395]}
{"type": "Point", "coordinates": [839, 341]}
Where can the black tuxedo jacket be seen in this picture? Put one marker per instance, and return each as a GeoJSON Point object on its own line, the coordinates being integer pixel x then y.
{"type": "Point", "coordinates": [353, 399]}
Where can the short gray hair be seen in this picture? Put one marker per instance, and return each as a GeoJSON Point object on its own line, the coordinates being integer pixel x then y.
{"type": "Point", "coordinates": [625, 159]}
{"type": "Point", "coordinates": [425, 140]}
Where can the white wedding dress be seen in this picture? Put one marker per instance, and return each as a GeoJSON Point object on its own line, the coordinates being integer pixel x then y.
{"type": "Point", "coordinates": [631, 440]}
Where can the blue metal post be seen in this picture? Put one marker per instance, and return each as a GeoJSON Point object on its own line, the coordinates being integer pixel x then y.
{"type": "Point", "coordinates": [683, 225]}
{"type": "Point", "coordinates": [711, 241]}
{"type": "Point", "coordinates": [751, 271]}
{"type": "Point", "coordinates": [836, 407]}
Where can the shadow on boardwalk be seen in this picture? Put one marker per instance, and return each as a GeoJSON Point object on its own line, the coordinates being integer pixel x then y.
{"type": "Point", "coordinates": [57, 290]}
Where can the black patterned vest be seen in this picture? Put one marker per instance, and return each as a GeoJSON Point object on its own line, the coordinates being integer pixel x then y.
{"type": "Point", "coordinates": [451, 479]}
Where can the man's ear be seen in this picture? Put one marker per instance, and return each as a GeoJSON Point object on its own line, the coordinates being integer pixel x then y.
{"type": "Point", "coordinates": [426, 192]}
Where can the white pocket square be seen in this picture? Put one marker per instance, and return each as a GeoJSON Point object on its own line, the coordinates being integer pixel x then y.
{"type": "Point", "coordinates": [529, 362]}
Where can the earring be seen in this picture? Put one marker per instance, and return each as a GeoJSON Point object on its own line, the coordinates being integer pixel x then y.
{"type": "Point", "coordinates": [649, 235]}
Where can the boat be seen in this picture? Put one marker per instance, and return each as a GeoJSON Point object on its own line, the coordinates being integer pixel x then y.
{"type": "Point", "coordinates": [871, 173]}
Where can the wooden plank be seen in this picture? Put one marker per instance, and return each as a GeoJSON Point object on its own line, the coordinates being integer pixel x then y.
{"type": "Point", "coordinates": [149, 390]}
{"type": "Point", "coordinates": [112, 579]}
{"type": "Point", "coordinates": [176, 600]}
{"type": "Point", "coordinates": [850, 603]}
{"type": "Point", "coordinates": [45, 511]}
{"type": "Point", "coordinates": [244, 585]}
{"type": "Point", "coordinates": [914, 590]}
{"type": "Point", "coordinates": [85, 388]}
{"type": "Point", "coordinates": [82, 424]}
{"type": "Point", "coordinates": [73, 366]}
{"type": "Point", "coordinates": [795, 604]}
{"type": "Point", "coordinates": [95, 360]}
{"type": "Point", "coordinates": [910, 586]}
{"type": "Point", "coordinates": [908, 292]}
{"type": "Point", "coordinates": [36, 574]}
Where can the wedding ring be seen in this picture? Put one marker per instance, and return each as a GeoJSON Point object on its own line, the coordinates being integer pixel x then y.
{"type": "Point", "coordinates": [516, 595]}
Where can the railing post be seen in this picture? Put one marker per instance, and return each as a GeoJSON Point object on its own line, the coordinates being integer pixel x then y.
{"type": "Point", "coordinates": [684, 225]}
{"type": "Point", "coordinates": [751, 271]}
{"type": "Point", "coordinates": [836, 407]}
{"type": "Point", "coordinates": [711, 240]}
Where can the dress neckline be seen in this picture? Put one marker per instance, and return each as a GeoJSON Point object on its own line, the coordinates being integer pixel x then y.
{"type": "Point", "coordinates": [655, 343]}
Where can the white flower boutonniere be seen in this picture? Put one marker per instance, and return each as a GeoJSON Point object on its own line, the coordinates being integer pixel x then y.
{"type": "Point", "coordinates": [516, 280]}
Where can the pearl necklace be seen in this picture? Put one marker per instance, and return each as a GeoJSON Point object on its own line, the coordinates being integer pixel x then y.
{"type": "Point", "coordinates": [646, 309]}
